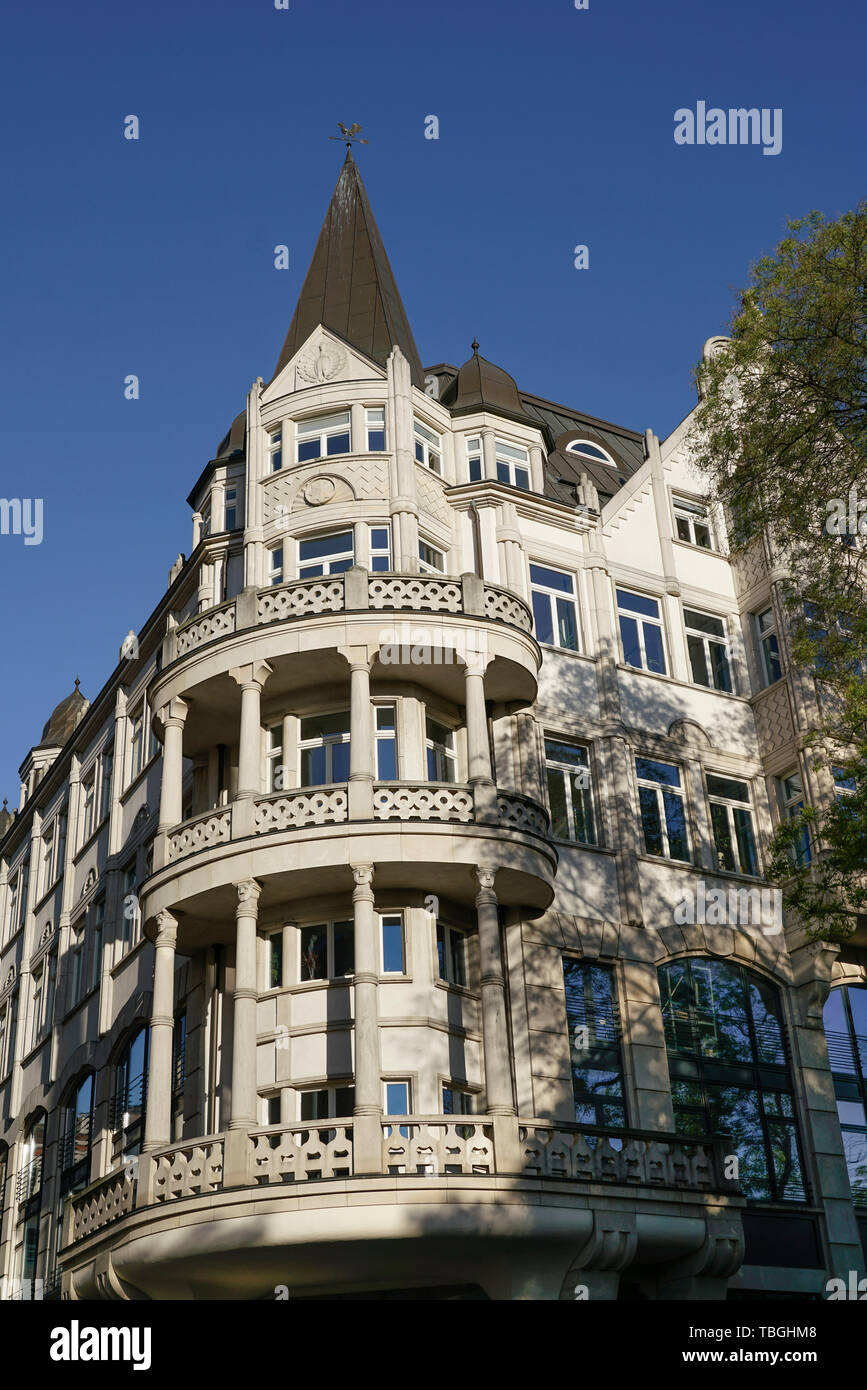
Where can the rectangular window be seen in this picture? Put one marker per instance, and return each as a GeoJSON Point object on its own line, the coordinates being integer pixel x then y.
{"type": "Point", "coordinates": [5, 1052]}
{"type": "Point", "coordinates": [570, 795]}
{"type": "Point", "coordinates": [430, 560]}
{"type": "Point", "coordinates": [275, 453]}
{"type": "Point", "coordinates": [47, 856]}
{"type": "Point", "coordinates": [88, 806]}
{"type": "Point", "coordinates": [391, 937]}
{"type": "Point", "coordinates": [428, 450]}
{"type": "Point", "coordinates": [452, 954]}
{"type": "Point", "coordinates": [474, 460]}
{"type": "Point", "coordinates": [18, 898]}
{"type": "Point", "coordinates": [641, 631]}
{"type": "Point", "coordinates": [767, 646]}
{"type": "Point", "coordinates": [397, 1094]}
{"type": "Point", "coordinates": [43, 1000]}
{"type": "Point", "coordinates": [324, 749]}
{"type": "Point", "coordinates": [328, 1103]}
{"type": "Point", "coordinates": [844, 782]}
{"type": "Point", "coordinates": [272, 1110]}
{"type": "Point", "coordinates": [385, 735]}
{"type": "Point", "coordinates": [76, 964]}
{"type": "Point", "coordinates": [327, 950]}
{"type": "Point", "coordinates": [663, 816]}
{"type": "Point", "coordinates": [708, 646]}
{"type": "Point", "coordinates": [692, 522]}
{"type": "Point", "coordinates": [136, 744]}
{"type": "Point", "coordinates": [274, 758]}
{"type": "Point", "coordinates": [324, 436]}
{"type": "Point", "coordinates": [555, 610]}
{"type": "Point", "coordinates": [790, 790]}
{"type": "Point", "coordinates": [594, 1044]}
{"type": "Point", "coordinates": [129, 907]}
{"type": "Point", "coordinates": [231, 506]}
{"type": "Point", "coordinates": [105, 785]}
{"type": "Point", "coordinates": [380, 548]}
{"type": "Point", "coordinates": [330, 554]}
{"type": "Point", "coordinates": [732, 824]}
{"type": "Point", "coordinates": [275, 565]}
{"type": "Point", "coordinates": [375, 429]}
{"type": "Point", "coordinates": [442, 763]}
{"type": "Point", "coordinates": [457, 1100]}
{"type": "Point", "coordinates": [513, 465]}
{"type": "Point", "coordinates": [94, 973]}
{"type": "Point", "coordinates": [274, 961]}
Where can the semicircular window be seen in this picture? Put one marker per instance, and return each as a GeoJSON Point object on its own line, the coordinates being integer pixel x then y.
{"type": "Point", "coordinates": [729, 1069]}
{"type": "Point", "coordinates": [590, 451]}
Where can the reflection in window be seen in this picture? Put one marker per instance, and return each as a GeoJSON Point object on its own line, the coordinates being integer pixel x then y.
{"type": "Point", "coordinates": [729, 1070]}
{"type": "Point", "coordinates": [732, 823]}
{"type": "Point", "coordinates": [130, 1096]}
{"type": "Point", "coordinates": [327, 950]}
{"type": "Point", "coordinates": [324, 747]}
{"type": "Point", "coordinates": [663, 817]}
{"type": "Point", "coordinates": [570, 796]}
{"type": "Point", "coordinates": [641, 631]}
{"type": "Point", "coordinates": [846, 1033]}
{"type": "Point", "coordinates": [594, 1044]}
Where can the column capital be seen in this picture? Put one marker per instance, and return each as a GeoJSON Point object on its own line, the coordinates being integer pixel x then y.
{"type": "Point", "coordinates": [252, 676]}
{"type": "Point", "coordinates": [167, 929]}
{"type": "Point", "coordinates": [358, 658]}
{"type": "Point", "coordinates": [485, 878]}
{"type": "Point", "coordinates": [248, 896]}
{"type": "Point", "coordinates": [174, 713]}
{"type": "Point", "coordinates": [363, 875]}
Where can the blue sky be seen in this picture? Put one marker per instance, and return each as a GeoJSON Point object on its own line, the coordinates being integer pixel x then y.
{"type": "Point", "coordinates": [156, 258]}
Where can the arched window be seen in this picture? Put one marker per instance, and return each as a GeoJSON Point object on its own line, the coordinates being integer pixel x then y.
{"type": "Point", "coordinates": [130, 1096]}
{"type": "Point", "coordinates": [729, 1069]}
{"type": "Point", "coordinates": [77, 1137]}
{"type": "Point", "coordinates": [29, 1198]}
{"type": "Point", "coordinates": [846, 1033]}
{"type": "Point", "coordinates": [30, 1166]}
{"type": "Point", "coordinates": [590, 451]}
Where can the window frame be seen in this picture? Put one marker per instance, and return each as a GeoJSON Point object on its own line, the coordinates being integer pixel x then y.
{"type": "Point", "coordinates": [763, 638]}
{"type": "Point", "coordinates": [327, 742]}
{"type": "Point", "coordinates": [707, 640]}
{"type": "Point", "coordinates": [323, 564]}
{"type": "Point", "coordinates": [329, 976]}
{"type": "Point", "coordinates": [275, 449]}
{"type": "Point", "coordinates": [305, 436]}
{"type": "Point", "coordinates": [391, 917]}
{"type": "Point", "coordinates": [512, 459]}
{"type": "Point", "coordinates": [641, 620]}
{"type": "Point", "coordinates": [730, 805]}
{"type": "Point", "coordinates": [603, 1051]}
{"type": "Point", "coordinates": [693, 514]}
{"type": "Point", "coordinates": [447, 957]}
{"type": "Point", "coordinates": [427, 442]}
{"type": "Point", "coordinates": [426, 565]}
{"type": "Point", "coordinates": [443, 753]}
{"type": "Point", "coordinates": [553, 597]}
{"type": "Point", "coordinates": [660, 787]}
{"type": "Point", "coordinates": [375, 427]}
{"type": "Point", "coordinates": [569, 773]}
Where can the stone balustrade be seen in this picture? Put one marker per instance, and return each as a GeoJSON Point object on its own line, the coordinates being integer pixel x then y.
{"type": "Point", "coordinates": [435, 1146]}
{"type": "Point", "coordinates": [423, 801]}
{"type": "Point", "coordinates": [203, 831]}
{"type": "Point", "coordinates": [295, 810]}
{"type": "Point", "coordinates": [356, 591]}
{"type": "Point", "coordinates": [520, 813]}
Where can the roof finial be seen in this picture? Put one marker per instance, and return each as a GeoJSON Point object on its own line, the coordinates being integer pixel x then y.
{"type": "Point", "coordinates": [475, 347]}
{"type": "Point", "coordinates": [77, 682]}
{"type": "Point", "coordinates": [349, 134]}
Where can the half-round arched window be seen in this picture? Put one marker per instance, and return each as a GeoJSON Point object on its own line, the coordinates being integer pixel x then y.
{"type": "Point", "coordinates": [30, 1163]}
{"type": "Point", "coordinates": [846, 1033]}
{"type": "Point", "coordinates": [590, 451]}
{"type": "Point", "coordinates": [729, 1068]}
{"type": "Point", "coordinates": [77, 1136]}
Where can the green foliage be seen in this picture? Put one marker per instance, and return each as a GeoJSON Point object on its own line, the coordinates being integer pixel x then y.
{"type": "Point", "coordinates": [781, 436]}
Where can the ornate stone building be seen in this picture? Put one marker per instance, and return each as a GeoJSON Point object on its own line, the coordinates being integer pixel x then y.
{"type": "Point", "coordinates": [391, 919]}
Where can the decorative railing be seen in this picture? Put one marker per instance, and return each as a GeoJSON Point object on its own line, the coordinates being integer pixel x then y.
{"type": "Point", "coordinates": [419, 593]}
{"type": "Point", "coordinates": [520, 813]}
{"type": "Point", "coordinates": [29, 1180]}
{"type": "Point", "coordinates": [302, 1153]}
{"type": "Point", "coordinates": [314, 806]}
{"type": "Point", "coordinates": [355, 591]}
{"type": "Point", "coordinates": [188, 1170]}
{"type": "Point", "coordinates": [211, 828]}
{"type": "Point", "coordinates": [104, 1201]}
{"type": "Point", "coordinates": [549, 1150]}
{"type": "Point", "coordinates": [435, 1146]}
{"type": "Point", "coordinates": [205, 627]}
{"type": "Point", "coordinates": [302, 599]}
{"type": "Point", "coordinates": [423, 801]}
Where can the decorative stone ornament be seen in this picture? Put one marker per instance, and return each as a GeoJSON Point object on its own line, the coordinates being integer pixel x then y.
{"type": "Point", "coordinates": [318, 491]}
{"type": "Point", "coordinates": [321, 363]}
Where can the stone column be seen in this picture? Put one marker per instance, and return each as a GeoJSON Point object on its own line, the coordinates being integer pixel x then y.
{"type": "Point", "coordinates": [173, 716]}
{"type": "Point", "coordinates": [361, 770]}
{"type": "Point", "coordinates": [498, 1073]}
{"type": "Point", "coordinates": [367, 1124]}
{"type": "Point", "coordinates": [244, 998]}
{"type": "Point", "coordinates": [251, 679]}
{"type": "Point", "coordinates": [480, 772]}
{"type": "Point", "coordinates": [158, 1116]}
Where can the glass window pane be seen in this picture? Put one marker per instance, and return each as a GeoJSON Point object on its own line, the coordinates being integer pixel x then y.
{"type": "Point", "coordinates": [397, 1098]}
{"type": "Point", "coordinates": [379, 538]}
{"type": "Point", "coordinates": [475, 470]}
{"type": "Point", "coordinates": [637, 603]}
{"type": "Point", "coordinates": [651, 770]}
{"type": "Point", "coordinates": [542, 617]}
{"type": "Point", "coordinates": [308, 449]}
{"type": "Point", "coordinates": [386, 760]}
{"type": "Point", "coordinates": [722, 836]}
{"type": "Point", "coordinates": [697, 661]}
{"type": "Point", "coordinates": [313, 767]}
{"type": "Point", "coordinates": [314, 955]}
{"type": "Point", "coordinates": [746, 841]}
{"type": "Point", "coordinates": [314, 1105]}
{"type": "Point", "coordinates": [503, 472]}
{"type": "Point", "coordinates": [675, 820]}
{"type": "Point", "coordinates": [320, 547]}
{"type": "Point", "coordinates": [552, 579]}
{"type": "Point", "coordinates": [653, 648]}
{"type": "Point", "coordinates": [339, 762]}
{"type": "Point", "coordinates": [275, 962]}
{"type": "Point", "coordinates": [376, 440]}
{"type": "Point", "coordinates": [728, 788]}
{"type": "Point", "coordinates": [629, 638]}
{"type": "Point", "coordinates": [567, 624]}
{"type": "Point", "coordinates": [557, 801]}
{"type": "Point", "coordinates": [337, 443]}
{"type": "Point", "coordinates": [344, 948]}
{"type": "Point", "coordinates": [392, 945]}
{"type": "Point", "coordinates": [651, 821]}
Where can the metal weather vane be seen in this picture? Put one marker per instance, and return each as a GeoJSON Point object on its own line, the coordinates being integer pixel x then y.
{"type": "Point", "coordinates": [349, 134]}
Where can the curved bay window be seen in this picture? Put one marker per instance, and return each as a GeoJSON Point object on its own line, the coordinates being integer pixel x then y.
{"type": "Point", "coordinates": [846, 1033]}
{"type": "Point", "coordinates": [594, 1044]}
{"type": "Point", "coordinates": [77, 1137]}
{"type": "Point", "coordinates": [729, 1070]}
{"type": "Point", "coordinates": [130, 1097]}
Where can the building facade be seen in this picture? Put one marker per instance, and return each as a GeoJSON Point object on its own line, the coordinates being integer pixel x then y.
{"type": "Point", "coordinates": [393, 918]}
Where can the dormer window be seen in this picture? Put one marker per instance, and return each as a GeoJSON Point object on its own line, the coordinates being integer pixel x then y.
{"type": "Point", "coordinates": [375, 429]}
{"type": "Point", "coordinates": [474, 460]}
{"type": "Point", "coordinates": [275, 454]}
{"type": "Point", "coordinates": [513, 465]}
{"type": "Point", "coordinates": [693, 523]}
{"type": "Point", "coordinates": [324, 436]}
{"type": "Point", "coordinates": [590, 451]}
{"type": "Point", "coordinates": [428, 450]}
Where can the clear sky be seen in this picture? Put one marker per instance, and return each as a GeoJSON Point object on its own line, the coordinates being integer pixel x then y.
{"type": "Point", "coordinates": [156, 256]}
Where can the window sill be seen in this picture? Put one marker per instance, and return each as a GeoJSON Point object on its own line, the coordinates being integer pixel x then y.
{"type": "Point", "coordinates": [684, 685]}
{"type": "Point", "coordinates": [568, 651]}
{"type": "Point", "coordinates": [580, 844]}
{"type": "Point", "coordinates": [127, 957]}
{"type": "Point", "coordinates": [463, 990]}
{"type": "Point", "coordinates": [86, 844]}
{"type": "Point", "coordinates": [91, 994]}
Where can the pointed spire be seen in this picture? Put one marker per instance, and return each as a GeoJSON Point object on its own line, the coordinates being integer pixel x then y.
{"type": "Point", "coordinates": [350, 287]}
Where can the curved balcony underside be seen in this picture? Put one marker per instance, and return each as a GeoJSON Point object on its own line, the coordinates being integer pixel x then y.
{"type": "Point", "coordinates": [468, 1194]}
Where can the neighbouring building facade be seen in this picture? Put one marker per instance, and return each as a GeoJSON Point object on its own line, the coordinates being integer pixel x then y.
{"type": "Point", "coordinates": [392, 919]}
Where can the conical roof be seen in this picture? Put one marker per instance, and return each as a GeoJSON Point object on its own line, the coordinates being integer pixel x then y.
{"type": "Point", "coordinates": [350, 288]}
{"type": "Point", "coordinates": [64, 718]}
